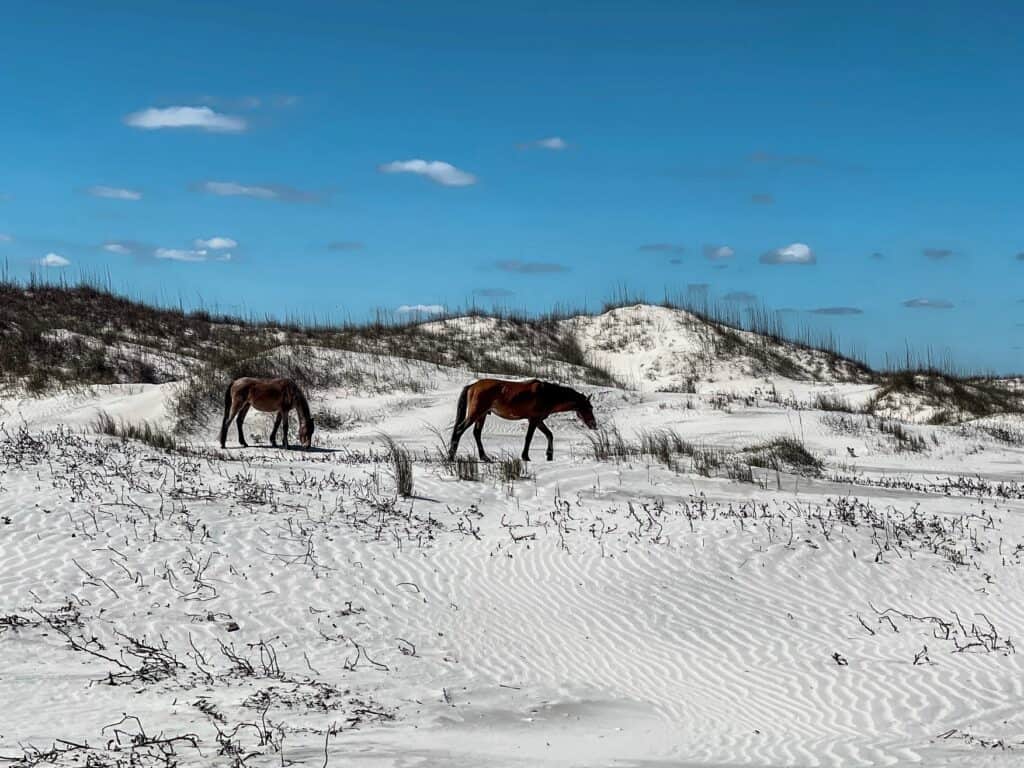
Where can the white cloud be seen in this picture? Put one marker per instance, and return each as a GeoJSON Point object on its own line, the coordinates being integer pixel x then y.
{"type": "Point", "coordinates": [203, 118]}
{"type": "Point", "coordinates": [114, 193]}
{"type": "Point", "coordinates": [178, 254]}
{"type": "Point", "coordinates": [556, 143]}
{"type": "Point", "coordinates": [53, 260]}
{"type": "Point", "coordinates": [435, 170]}
{"type": "Point", "coordinates": [216, 243]}
{"type": "Point", "coordinates": [421, 309]}
{"type": "Point", "coordinates": [234, 189]}
{"type": "Point", "coordinates": [5, 238]}
{"type": "Point", "coordinates": [796, 253]}
{"type": "Point", "coordinates": [224, 257]}
{"type": "Point", "coordinates": [126, 247]}
{"type": "Point", "coordinates": [718, 252]}
{"type": "Point", "coordinates": [928, 304]}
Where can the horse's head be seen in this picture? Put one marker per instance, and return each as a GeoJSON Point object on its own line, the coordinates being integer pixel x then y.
{"type": "Point", "coordinates": [306, 432]}
{"type": "Point", "coordinates": [585, 410]}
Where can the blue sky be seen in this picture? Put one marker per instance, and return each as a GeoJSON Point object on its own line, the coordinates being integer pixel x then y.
{"type": "Point", "coordinates": [804, 156]}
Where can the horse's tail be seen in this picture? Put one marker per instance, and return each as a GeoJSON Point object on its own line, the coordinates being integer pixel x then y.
{"type": "Point", "coordinates": [460, 410]}
{"type": "Point", "coordinates": [227, 412]}
{"type": "Point", "coordinates": [460, 417]}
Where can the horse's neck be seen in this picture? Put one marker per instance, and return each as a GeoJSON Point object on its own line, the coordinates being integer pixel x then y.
{"type": "Point", "coordinates": [564, 400]}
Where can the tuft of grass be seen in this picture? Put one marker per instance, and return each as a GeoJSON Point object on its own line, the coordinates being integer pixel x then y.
{"type": "Point", "coordinates": [144, 431]}
{"type": "Point", "coordinates": [788, 452]}
{"type": "Point", "coordinates": [401, 466]}
{"type": "Point", "coordinates": [825, 401]}
{"type": "Point", "coordinates": [665, 445]}
{"type": "Point", "coordinates": [325, 418]}
{"type": "Point", "coordinates": [903, 439]}
{"type": "Point", "coordinates": [511, 469]}
{"type": "Point", "coordinates": [608, 444]}
{"type": "Point", "coordinates": [467, 468]}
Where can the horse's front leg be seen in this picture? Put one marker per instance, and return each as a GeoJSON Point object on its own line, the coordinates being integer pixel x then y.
{"type": "Point", "coordinates": [284, 424]}
{"type": "Point", "coordinates": [551, 439]}
{"type": "Point", "coordinates": [529, 439]}
{"type": "Point", "coordinates": [273, 432]}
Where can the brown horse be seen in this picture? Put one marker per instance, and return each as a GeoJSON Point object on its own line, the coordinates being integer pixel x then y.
{"type": "Point", "coordinates": [534, 400]}
{"type": "Point", "coordinates": [268, 395]}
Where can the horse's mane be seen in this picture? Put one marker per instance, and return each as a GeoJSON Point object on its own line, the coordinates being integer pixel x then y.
{"type": "Point", "coordinates": [302, 404]}
{"type": "Point", "coordinates": [568, 393]}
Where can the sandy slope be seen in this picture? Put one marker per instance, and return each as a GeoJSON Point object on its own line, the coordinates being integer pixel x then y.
{"type": "Point", "coordinates": [596, 613]}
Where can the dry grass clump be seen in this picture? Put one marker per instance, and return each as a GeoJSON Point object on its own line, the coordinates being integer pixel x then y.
{"type": "Point", "coordinates": [784, 453]}
{"type": "Point", "coordinates": [401, 466]}
{"type": "Point", "coordinates": [144, 431]}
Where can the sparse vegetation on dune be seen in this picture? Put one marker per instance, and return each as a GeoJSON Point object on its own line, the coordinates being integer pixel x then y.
{"type": "Point", "coordinates": [62, 335]}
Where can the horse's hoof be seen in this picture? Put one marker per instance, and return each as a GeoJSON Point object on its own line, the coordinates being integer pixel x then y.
{"type": "Point", "coordinates": [551, 457]}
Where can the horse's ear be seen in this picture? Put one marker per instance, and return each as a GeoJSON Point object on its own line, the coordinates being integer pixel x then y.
{"type": "Point", "coordinates": [589, 400]}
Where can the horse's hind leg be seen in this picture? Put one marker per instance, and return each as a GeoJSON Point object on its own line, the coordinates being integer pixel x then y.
{"type": "Point", "coordinates": [453, 444]}
{"type": "Point", "coordinates": [529, 439]}
{"type": "Point", "coordinates": [230, 412]}
{"type": "Point", "coordinates": [239, 421]}
{"type": "Point", "coordinates": [478, 429]}
{"type": "Point", "coordinates": [551, 439]}
{"type": "Point", "coordinates": [273, 432]}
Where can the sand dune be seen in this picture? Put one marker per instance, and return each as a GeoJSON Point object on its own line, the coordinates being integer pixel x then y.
{"type": "Point", "coordinates": [617, 612]}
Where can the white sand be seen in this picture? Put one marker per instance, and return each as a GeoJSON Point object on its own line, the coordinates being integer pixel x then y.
{"type": "Point", "coordinates": [596, 613]}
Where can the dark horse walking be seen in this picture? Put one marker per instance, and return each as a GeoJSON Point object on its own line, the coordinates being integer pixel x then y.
{"type": "Point", "coordinates": [269, 395]}
{"type": "Point", "coordinates": [534, 400]}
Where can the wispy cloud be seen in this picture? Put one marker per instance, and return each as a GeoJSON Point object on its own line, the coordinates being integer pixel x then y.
{"type": "Point", "coordinates": [114, 193]}
{"type": "Point", "coordinates": [837, 311]}
{"type": "Point", "coordinates": [928, 304]}
{"type": "Point", "coordinates": [740, 297]}
{"type": "Point", "coordinates": [662, 248]}
{"type": "Point", "coordinates": [937, 254]}
{"type": "Point", "coordinates": [762, 198]}
{"type": "Point", "coordinates": [180, 254]}
{"type": "Point", "coordinates": [420, 309]}
{"type": "Point", "coordinates": [345, 245]}
{"type": "Point", "coordinates": [258, 191]}
{"type": "Point", "coordinates": [795, 253]}
{"type": "Point", "coordinates": [203, 118]}
{"type": "Point", "coordinates": [718, 252]}
{"type": "Point", "coordinates": [125, 247]}
{"type": "Point", "coordinates": [552, 142]}
{"type": "Point", "coordinates": [215, 243]}
{"type": "Point", "coordinates": [530, 267]}
{"type": "Point", "coordinates": [493, 293]}
{"type": "Point", "coordinates": [53, 260]}
{"type": "Point", "coordinates": [437, 171]}
{"type": "Point", "coordinates": [5, 238]}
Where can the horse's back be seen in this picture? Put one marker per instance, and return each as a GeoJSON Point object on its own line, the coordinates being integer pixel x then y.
{"type": "Point", "coordinates": [263, 394]}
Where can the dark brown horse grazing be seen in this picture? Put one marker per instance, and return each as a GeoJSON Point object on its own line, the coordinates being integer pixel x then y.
{"type": "Point", "coordinates": [534, 400]}
{"type": "Point", "coordinates": [269, 395]}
